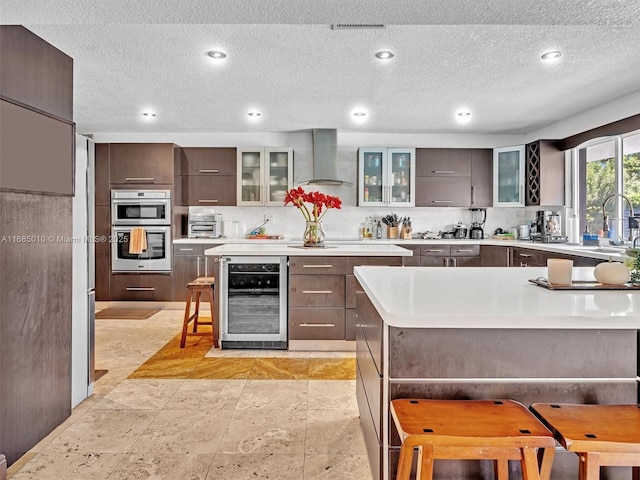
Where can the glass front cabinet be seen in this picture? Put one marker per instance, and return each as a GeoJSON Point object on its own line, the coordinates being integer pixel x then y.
{"type": "Point", "coordinates": [264, 175]}
{"type": "Point", "coordinates": [386, 176]}
{"type": "Point", "coordinates": [508, 176]}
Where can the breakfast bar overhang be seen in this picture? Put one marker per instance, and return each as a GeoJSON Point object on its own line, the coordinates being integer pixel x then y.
{"type": "Point", "coordinates": [483, 333]}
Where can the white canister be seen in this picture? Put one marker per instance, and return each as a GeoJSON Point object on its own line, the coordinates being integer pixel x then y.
{"type": "Point", "coordinates": [514, 232]}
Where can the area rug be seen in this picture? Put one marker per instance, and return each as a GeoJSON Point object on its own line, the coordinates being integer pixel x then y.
{"type": "Point", "coordinates": [126, 313]}
{"type": "Point", "coordinates": [171, 361]}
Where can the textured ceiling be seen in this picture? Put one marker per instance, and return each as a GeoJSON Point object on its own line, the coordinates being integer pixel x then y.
{"type": "Point", "coordinates": [285, 61]}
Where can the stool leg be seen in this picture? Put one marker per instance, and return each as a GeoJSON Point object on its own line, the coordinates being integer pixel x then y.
{"type": "Point", "coordinates": [197, 313]}
{"type": "Point", "coordinates": [425, 463]}
{"type": "Point", "coordinates": [589, 466]}
{"type": "Point", "coordinates": [545, 459]}
{"type": "Point", "coordinates": [501, 469]}
{"type": "Point", "coordinates": [185, 322]}
{"type": "Point", "coordinates": [404, 464]}
{"type": "Point", "coordinates": [530, 464]}
{"type": "Point", "coordinates": [636, 473]}
{"type": "Point", "coordinates": [214, 330]}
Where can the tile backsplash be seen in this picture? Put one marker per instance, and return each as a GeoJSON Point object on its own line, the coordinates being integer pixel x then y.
{"type": "Point", "coordinates": [344, 224]}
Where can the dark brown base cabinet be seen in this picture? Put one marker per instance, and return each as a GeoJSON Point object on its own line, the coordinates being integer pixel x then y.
{"type": "Point", "coordinates": [495, 256]}
{"type": "Point", "coordinates": [140, 287]}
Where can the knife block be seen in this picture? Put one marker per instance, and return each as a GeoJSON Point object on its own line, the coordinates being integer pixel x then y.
{"type": "Point", "coordinates": [405, 233]}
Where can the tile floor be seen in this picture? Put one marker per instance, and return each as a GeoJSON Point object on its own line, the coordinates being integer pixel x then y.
{"type": "Point", "coordinates": [191, 428]}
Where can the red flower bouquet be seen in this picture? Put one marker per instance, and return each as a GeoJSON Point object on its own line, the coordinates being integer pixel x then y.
{"type": "Point", "coordinates": [320, 205]}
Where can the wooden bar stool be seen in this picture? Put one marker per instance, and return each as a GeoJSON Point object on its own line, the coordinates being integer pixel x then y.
{"type": "Point", "coordinates": [199, 286]}
{"type": "Point", "coordinates": [499, 430]}
{"type": "Point", "coordinates": [601, 435]}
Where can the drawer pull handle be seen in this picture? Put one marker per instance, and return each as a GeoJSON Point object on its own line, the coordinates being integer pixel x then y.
{"type": "Point", "coordinates": [140, 289]}
{"type": "Point", "coordinates": [443, 201]}
{"type": "Point", "coordinates": [186, 249]}
{"type": "Point", "coordinates": [207, 201]}
{"type": "Point", "coordinates": [433, 251]}
{"type": "Point", "coordinates": [317, 325]}
{"type": "Point", "coordinates": [317, 266]}
{"type": "Point", "coordinates": [140, 179]}
{"type": "Point", "coordinates": [466, 250]}
{"type": "Point", "coordinates": [526, 255]}
{"type": "Point", "coordinates": [323, 292]}
{"type": "Point", "coordinates": [208, 170]}
{"type": "Point", "coordinates": [440, 172]}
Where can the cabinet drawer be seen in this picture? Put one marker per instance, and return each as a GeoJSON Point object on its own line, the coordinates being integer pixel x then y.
{"type": "Point", "coordinates": [464, 261]}
{"type": "Point", "coordinates": [352, 286]}
{"type": "Point", "coordinates": [443, 192]}
{"type": "Point", "coordinates": [359, 261]}
{"type": "Point", "coordinates": [144, 287]}
{"type": "Point", "coordinates": [465, 250]}
{"type": "Point", "coordinates": [435, 250]}
{"type": "Point", "coordinates": [209, 190]}
{"type": "Point", "coordinates": [350, 324]}
{"type": "Point", "coordinates": [314, 290]}
{"type": "Point", "coordinates": [209, 161]}
{"type": "Point", "coordinates": [318, 265]}
{"type": "Point", "coordinates": [188, 249]}
{"type": "Point", "coordinates": [316, 323]}
{"type": "Point", "coordinates": [443, 162]}
{"type": "Point", "coordinates": [525, 257]}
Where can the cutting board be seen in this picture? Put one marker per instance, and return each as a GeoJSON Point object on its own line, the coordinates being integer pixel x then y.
{"type": "Point", "coordinates": [264, 236]}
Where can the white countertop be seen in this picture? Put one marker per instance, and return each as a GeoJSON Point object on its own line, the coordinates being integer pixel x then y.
{"type": "Point", "coordinates": [284, 250]}
{"type": "Point", "coordinates": [547, 247]}
{"type": "Point", "coordinates": [495, 297]}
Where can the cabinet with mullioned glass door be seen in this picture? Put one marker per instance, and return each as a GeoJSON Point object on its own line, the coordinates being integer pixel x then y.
{"type": "Point", "coordinates": [386, 176]}
{"type": "Point", "coordinates": [509, 176]}
{"type": "Point", "coordinates": [264, 175]}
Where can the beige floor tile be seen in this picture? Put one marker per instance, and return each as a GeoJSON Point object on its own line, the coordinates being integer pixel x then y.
{"type": "Point", "coordinates": [140, 394]}
{"type": "Point", "coordinates": [202, 394]}
{"type": "Point", "coordinates": [278, 395]}
{"type": "Point", "coordinates": [183, 431]}
{"type": "Point", "coordinates": [218, 352]}
{"type": "Point", "coordinates": [332, 395]}
{"type": "Point", "coordinates": [103, 431]}
{"type": "Point", "coordinates": [264, 432]}
{"type": "Point", "coordinates": [169, 466]}
{"type": "Point", "coordinates": [257, 466]}
{"type": "Point", "coordinates": [337, 467]}
{"type": "Point", "coordinates": [69, 466]}
{"type": "Point", "coordinates": [334, 432]}
{"type": "Point", "coordinates": [332, 354]}
{"type": "Point", "coordinates": [282, 354]}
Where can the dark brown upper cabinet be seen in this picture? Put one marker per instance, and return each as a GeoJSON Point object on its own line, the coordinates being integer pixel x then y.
{"type": "Point", "coordinates": [142, 163]}
{"type": "Point", "coordinates": [209, 176]}
{"type": "Point", "coordinates": [544, 174]}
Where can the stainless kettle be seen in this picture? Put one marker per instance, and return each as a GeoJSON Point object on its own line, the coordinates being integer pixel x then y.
{"type": "Point", "coordinates": [460, 231]}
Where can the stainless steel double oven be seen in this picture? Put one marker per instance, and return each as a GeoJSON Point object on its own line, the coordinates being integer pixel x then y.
{"type": "Point", "coordinates": [147, 209]}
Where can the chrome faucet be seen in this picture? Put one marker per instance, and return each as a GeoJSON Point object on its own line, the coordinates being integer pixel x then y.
{"type": "Point", "coordinates": [605, 218]}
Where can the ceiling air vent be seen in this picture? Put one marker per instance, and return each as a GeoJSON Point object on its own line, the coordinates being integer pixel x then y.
{"type": "Point", "coordinates": [356, 26]}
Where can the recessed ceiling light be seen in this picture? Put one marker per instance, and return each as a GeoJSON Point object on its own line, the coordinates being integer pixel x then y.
{"type": "Point", "coordinates": [359, 114]}
{"type": "Point", "coordinates": [254, 114]}
{"type": "Point", "coordinates": [217, 54]}
{"type": "Point", "coordinates": [385, 55]}
{"type": "Point", "coordinates": [551, 55]}
{"type": "Point", "coordinates": [464, 114]}
{"type": "Point", "coordinates": [148, 114]}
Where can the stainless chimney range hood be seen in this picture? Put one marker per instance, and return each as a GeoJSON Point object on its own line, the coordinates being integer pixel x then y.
{"type": "Point", "coordinates": [325, 158]}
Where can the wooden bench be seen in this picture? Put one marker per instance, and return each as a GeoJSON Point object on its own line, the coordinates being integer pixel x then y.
{"type": "Point", "coordinates": [498, 430]}
{"type": "Point", "coordinates": [601, 435]}
{"type": "Point", "coordinates": [201, 285]}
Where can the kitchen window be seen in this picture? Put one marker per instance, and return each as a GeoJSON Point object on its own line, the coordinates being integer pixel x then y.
{"type": "Point", "coordinates": [609, 166]}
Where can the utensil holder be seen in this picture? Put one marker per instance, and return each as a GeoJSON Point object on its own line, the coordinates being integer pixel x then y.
{"type": "Point", "coordinates": [392, 232]}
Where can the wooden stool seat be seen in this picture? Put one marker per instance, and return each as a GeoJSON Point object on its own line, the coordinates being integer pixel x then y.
{"type": "Point", "coordinates": [498, 430]}
{"type": "Point", "coordinates": [201, 285]}
{"type": "Point", "coordinates": [601, 435]}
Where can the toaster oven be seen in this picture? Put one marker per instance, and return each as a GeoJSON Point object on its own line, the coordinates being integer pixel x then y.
{"type": "Point", "coordinates": [204, 225]}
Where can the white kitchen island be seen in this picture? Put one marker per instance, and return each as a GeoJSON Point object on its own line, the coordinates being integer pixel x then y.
{"type": "Point", "coordinates": [472, 333]}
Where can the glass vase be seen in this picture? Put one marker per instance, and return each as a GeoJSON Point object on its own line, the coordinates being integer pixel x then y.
{"type": "Point", "coordinates": [313, 235]}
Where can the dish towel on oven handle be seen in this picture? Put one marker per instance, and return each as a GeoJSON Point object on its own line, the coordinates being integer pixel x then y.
{"type": "Point", "coordinates": [137, 240]}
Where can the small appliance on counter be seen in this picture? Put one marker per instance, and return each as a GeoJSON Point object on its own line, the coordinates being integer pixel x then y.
{"type": "Point", "coordinates": [460, 231]}
{"type": "Point", "coordinates": [549, 227]}
{"type": "Point", "coordinates": [204, 225]}
{"type": "Point", "coordinates": [478, 219]}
